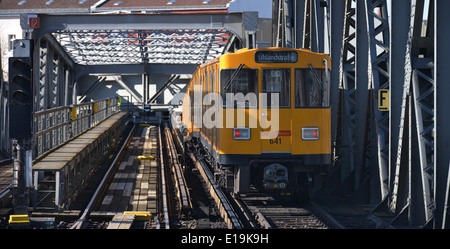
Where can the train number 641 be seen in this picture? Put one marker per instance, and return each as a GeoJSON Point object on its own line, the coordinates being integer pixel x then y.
{"type": "Point", "coordinates": [275, 141]}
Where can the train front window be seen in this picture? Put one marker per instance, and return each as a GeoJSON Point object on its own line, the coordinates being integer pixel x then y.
{"type": "Point", "coordinates": [277, 81]}
{"type": "Point", "coordinates": [242, 80]}
{"type": "Point", "coordinates": [312, 88]}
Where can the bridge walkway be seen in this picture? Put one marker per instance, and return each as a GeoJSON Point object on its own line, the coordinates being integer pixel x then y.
{"type": "Point", "coordinates": [59, 175]}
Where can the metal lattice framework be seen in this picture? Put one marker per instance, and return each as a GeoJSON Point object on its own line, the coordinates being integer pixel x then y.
{"type": "Point", "coordinates": [417, 123]}
{"type": "Point", "coordinates": [378, 35]}
{"type": "Point", "coordinates": [180, 46]}
{"type": "Point", "coordinates": [398, 158]}
{"type": "Point", "coordinates": [140, 39]}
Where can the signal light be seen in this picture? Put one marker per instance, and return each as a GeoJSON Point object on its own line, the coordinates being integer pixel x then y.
{"type": "Point", "coordinates": [310, 133]}
{"type": "Point", "coordinates": [241, 133]}
{"type": "Point", "coordinates": [20, 97]}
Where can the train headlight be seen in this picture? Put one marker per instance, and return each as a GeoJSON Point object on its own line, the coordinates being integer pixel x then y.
{"type": "Point", "coordinates": [241, 133]}
{"type": "Point", "coordinates": [310, 133]}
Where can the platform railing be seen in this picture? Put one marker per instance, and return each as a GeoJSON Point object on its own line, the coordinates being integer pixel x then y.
{"type": "Point", "coordinates": [56, 126]}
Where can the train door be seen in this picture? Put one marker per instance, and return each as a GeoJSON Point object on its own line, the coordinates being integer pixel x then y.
{"type": "Point", "coordinates": [275, 110]}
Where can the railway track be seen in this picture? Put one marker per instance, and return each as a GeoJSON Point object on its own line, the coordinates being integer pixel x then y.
{"type": "Point", "coordinates": [98, 194]}
{"type": "Point", "coordinates": [205, 213]}
{"type": "Point", "coordinates": [181, 189]}
{"type": "Point", "coordinates": [171, 190]}
{"type": "Point", "coordinates": [129, 189]}
{"type": "Point", "coordinates": [186, 194]}
{"type": "Point", "coordinates": [280, 212]}
{"type": "Point", "coordinates": [221, 199]}
{"type": "Point", "coordinates": [262, 210]}
{"type": "Point", "coordinates": [164, 214]}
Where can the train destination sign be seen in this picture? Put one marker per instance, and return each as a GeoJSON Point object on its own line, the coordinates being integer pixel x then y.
{"type": "Point", "coordinates": [276, 57]}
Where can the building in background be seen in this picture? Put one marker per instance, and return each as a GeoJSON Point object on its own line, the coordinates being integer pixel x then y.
{"type": "Point", "coordinates": [11, 10]}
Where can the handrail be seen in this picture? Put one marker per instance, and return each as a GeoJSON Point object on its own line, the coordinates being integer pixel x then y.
{"type": "Point", "coordinates": [56, 126]}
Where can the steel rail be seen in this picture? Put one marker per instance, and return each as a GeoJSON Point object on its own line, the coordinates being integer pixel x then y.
{"type": "Point", "coordinates": [223, 204]}
{"type": "Point", "coordinates": [163, 182]}
{"type": "Point", "coordinates": [180, 181]}
{"type": "Point", "coordinates": [79, 223]}
{"type": "Point", "coordinates": [325, 216]}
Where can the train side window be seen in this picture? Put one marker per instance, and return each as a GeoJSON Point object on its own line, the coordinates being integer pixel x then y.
{"type": "Point", "coordinates": [277, 81]}
{"type": "Point", "coordinates": [312, 88]}
{"type": "Point", "coordinates": [245, 81]}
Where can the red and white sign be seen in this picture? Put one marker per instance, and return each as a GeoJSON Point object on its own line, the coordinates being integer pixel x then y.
{"type": "Point", "coordinates": [33, 22]}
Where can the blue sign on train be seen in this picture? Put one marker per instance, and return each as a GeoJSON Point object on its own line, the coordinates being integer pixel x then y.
{"type": "Point", "coordinates": [276, 57]}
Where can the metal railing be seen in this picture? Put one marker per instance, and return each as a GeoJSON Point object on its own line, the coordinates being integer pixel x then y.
{"type": "Point", "coordinates": [56, 126]}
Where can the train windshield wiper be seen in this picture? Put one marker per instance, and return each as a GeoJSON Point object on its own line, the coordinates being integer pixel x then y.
{"type": "Point", "coordinates": [235, 73]}
{"type": "Point", "coordinates": [316, 76]}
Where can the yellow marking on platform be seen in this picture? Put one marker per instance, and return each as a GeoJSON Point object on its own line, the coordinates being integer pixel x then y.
{"type": "Point", "coordinates": [140, 216]}
{"type": "Point", "coordinates": [146, 158]}
{"type": "Point", "coordinates": [19, 218]}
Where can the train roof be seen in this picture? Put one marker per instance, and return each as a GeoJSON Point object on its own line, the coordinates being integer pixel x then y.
{"type": "Point", "coordinates": [253, 50]}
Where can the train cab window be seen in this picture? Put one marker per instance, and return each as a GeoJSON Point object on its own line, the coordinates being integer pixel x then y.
{"type": "Point", "coordinates": [312, 88]}
{"type": "Point", "coordinates": [242, 81]}
{"type": "Point", "coordinates": [277, 81]}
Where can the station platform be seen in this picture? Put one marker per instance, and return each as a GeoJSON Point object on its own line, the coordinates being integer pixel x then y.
{"type": "Point", "coordinates": [59, 175]}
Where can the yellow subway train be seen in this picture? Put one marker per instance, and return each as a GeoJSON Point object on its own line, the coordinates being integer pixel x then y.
{"type": "Point", "coordinates": [261, 117]}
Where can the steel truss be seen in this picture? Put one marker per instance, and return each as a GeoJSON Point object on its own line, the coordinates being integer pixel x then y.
{"type": "Point", "coordinates": [398, 159]}
{"type": "Point", "coordinates": [362, 144]}
{"type": "Point", "coordinates": [139, 39]}
{"type": "Point", "coordinates": [299, 24]}
{"type": "Point", "coordinates": [405, 161]}
{"type": "Point", "coordinates": [54, 75]}
{"type": "Point", "coordinates": [410, 183]}
{"type": "Point", "coordinates": [421, 183]}
{"type": "Point", "coordinates": [180, 46]}
{"type": "Point", "coordinates": [417, 108]}
{"type": "Point", "coordinates": [54, 78]}
{"type": "Point", "coordinates": [378, 35]}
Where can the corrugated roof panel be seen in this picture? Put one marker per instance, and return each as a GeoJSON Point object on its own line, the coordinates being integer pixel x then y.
{"type": "Point", "coordinates": [43, 5]}
{"type": "Point", "coordinates": [93, 47]}
{"type": "Point", "coordinates": [113, 4]}
{"type": "Point", "coordinates": [164, 4]}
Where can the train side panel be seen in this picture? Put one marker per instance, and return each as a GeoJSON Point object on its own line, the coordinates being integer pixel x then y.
{"type": "Point", "coordinates": [297, 146]}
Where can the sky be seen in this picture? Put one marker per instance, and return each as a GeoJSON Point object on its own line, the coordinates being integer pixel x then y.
{"type": "Point", "coordinates": [264, 7]}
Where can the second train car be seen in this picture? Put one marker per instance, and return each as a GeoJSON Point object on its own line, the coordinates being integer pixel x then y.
{"type": "Point", "coordinates": [231, 114]}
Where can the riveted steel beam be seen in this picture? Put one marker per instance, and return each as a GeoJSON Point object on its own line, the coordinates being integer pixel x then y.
{"type": "Point", "coordinates": [442, 119]}
{"type": "Point", "coordinates": [420, 188]}
{"type": "Point", "coordinates": [378, 34]}
{"type": "Point", "coordinates": [134, 39]}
